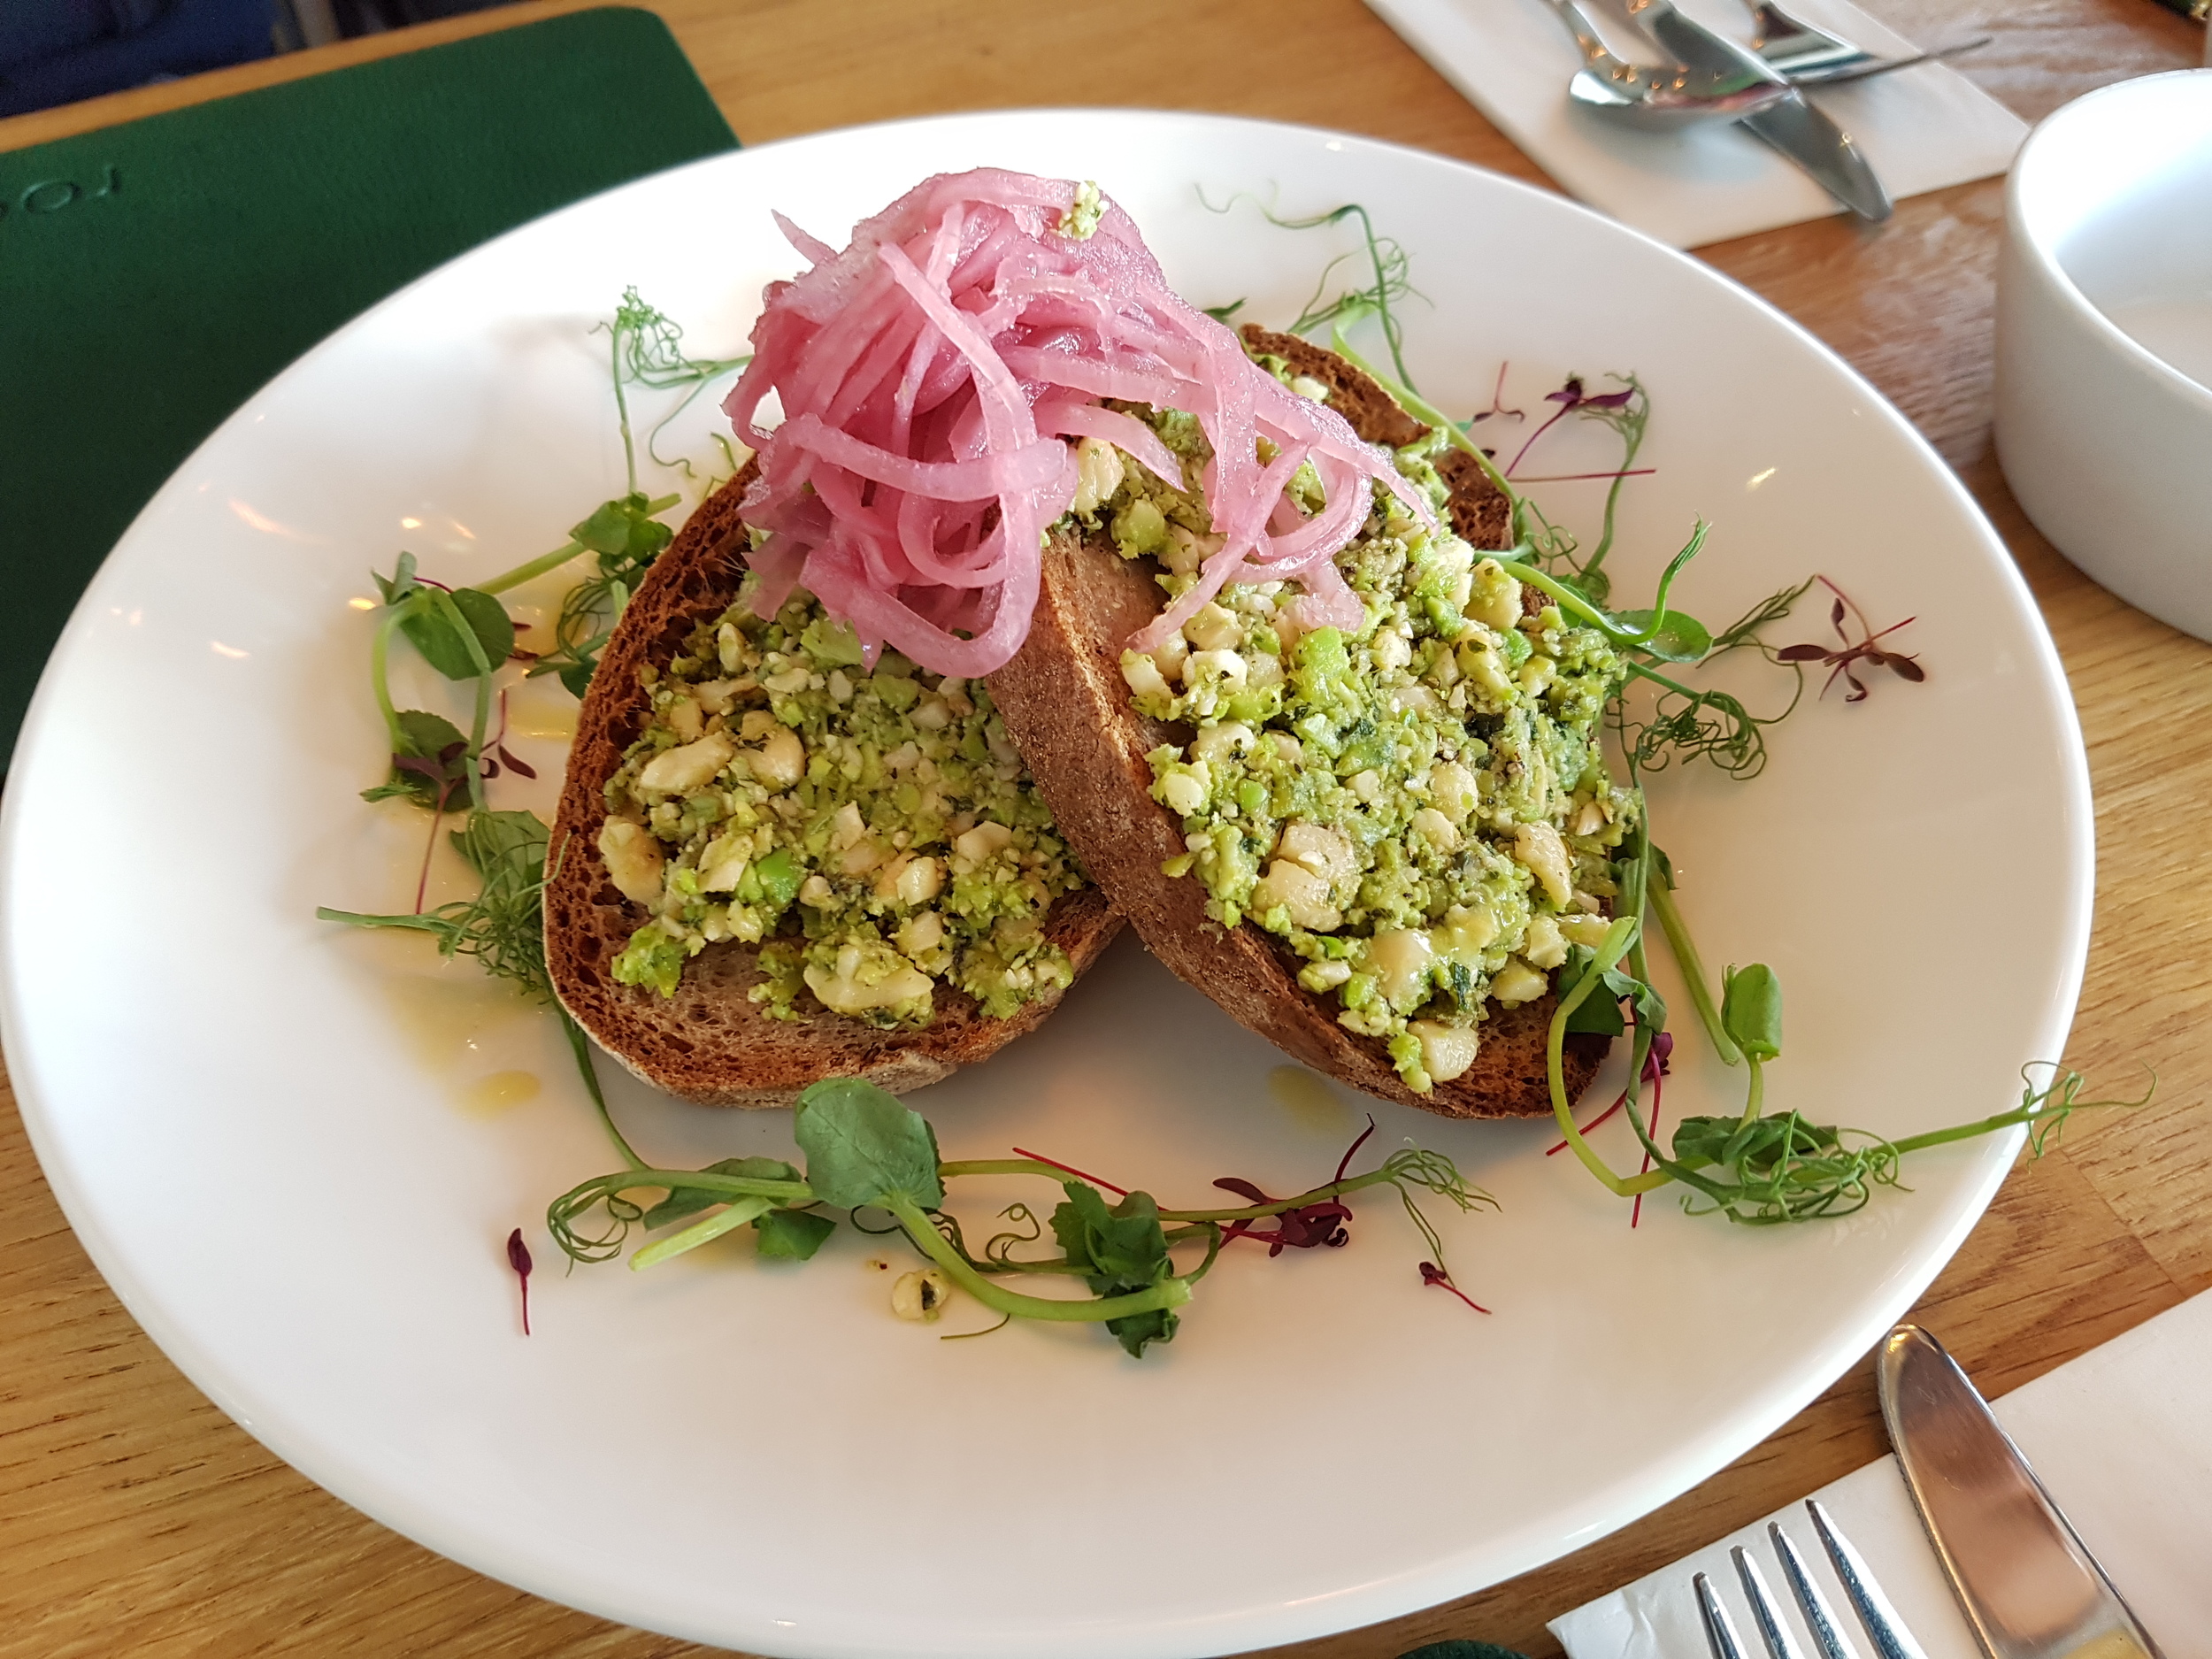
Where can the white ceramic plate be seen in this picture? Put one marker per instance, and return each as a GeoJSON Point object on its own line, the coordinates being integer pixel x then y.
{"type": "Point", "coordinates": [296, 1151]}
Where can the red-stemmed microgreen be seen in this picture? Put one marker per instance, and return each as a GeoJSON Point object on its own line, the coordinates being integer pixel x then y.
{"type": "Point", "coordinates": [518, 1258]}
{"type": "Point", "coordinates": [1497, 409]}
{"type": "Point", "coordinates": [1570, 397]}
{"type": "Point", "coordinates": [1841, 659]}
{"type": "Point", "coordinates": [1069, 1169]}
{"type": "Point", "coordinates": [1431, 1274]}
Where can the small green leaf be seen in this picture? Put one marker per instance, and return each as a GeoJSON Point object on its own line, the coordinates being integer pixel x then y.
{"type": "Point", "coordinates": [1751, 1009]}
{"type": "Point", "coordinates": [508, 847]}
{"type": "Point", "coordinates": [426, 737]}
{"type": "Point", "coordinates": [402, 580]}
{"type": "Point", "coordinates": [428, 623]}
{"type": "Point", "coordinates": [577, 677]}
{"type": "Point", "coordinates": [1119, 1250]}
{"type": "Point", "coordinates": [792, 1235]}
{"type": "Point", "coordinates": [861, 1144]}
{"type": "Point", "coordinates": [624, 533]}
{"type": "Point", "coordinates": [1683, 639]}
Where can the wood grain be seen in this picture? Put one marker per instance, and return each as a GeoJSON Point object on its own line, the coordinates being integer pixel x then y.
{"type": "Point", "coordinates": [134, 1517]}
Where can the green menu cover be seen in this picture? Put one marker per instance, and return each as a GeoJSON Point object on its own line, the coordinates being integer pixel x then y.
{"type": "Point", "coordinates": [154, 275]}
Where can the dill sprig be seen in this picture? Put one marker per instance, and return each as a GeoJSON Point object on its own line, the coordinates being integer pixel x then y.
{"type": "Point", "coordinates": [504, 926]}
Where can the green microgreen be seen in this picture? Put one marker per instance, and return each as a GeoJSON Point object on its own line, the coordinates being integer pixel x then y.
{"type": "Point", "coordinates": [865, 1150]}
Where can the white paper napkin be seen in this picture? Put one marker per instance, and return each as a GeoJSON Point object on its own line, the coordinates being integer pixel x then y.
{"type": "Point", "coordinates": [1922, 128]}
{"type": "Point", "coordinates": [2121, 1437]}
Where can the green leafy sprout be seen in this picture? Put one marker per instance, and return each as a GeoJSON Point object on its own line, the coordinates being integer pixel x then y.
{"type": "Point", "coordinates": [466, 636]}
{"type": "Point", "coordinates": [1758, 1167]}
{"type": "Point", "coordinates": [866, 1151]}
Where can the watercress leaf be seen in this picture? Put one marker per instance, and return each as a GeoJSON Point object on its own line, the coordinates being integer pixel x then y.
{"type": "Point", "coordinates": [792, 1235]}
{"type": "Point", "coordinates": [1134, 1330]}
{"type": "Point", "coordinates": [689, 1200]}
{"type": "Point", "coordinates": [624, 533]}
{"type": "Point", "coordinates": [1681, 639]}
{"type": "Point", "coordinates": [428, 623]}
{"type": "Point", "coordinates": [430, 756]}
{"type": "Point", "coordinates": [1120, 1250]}
{"type": "Point", "coordinates": [1700, 1140]}
{"type": "Point", "coordinates": [1598, 1014]}
{"type": "Point", "coordinates": [1751, 1009]}
{"type": "Point", "coordinates": [402, 582]}
{"type": "Point", "coordinates": [428, 736]}
{"type": "Point", "coordinates": [577, 677]}
{"type": "Point", "coordinates": [861, 1144]}
{"type": "Point", "coordinates": [504, 845]}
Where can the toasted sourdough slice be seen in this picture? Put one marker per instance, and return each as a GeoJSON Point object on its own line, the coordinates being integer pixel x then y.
{"type": "Point", "coordinates": [1067, 708]}
{"type": "Point", "coordinates": [710, 1042]}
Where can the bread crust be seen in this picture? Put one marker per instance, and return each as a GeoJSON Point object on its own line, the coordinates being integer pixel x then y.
{"type": "Point", "coordinates": [1068, 709]}
{"type": "Point", "coordinates": [710, 1042]}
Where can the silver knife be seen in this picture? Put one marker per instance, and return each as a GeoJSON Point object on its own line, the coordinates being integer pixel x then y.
{"type": "Point", "coordinates": [2026, 1584]}
{"type": "Point", "coordinates": [1790, 125]}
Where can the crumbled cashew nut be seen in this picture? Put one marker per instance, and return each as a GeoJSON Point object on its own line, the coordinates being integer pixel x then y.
{"type": "Point", "coordinates": [921, 1294]}
{"type": "Point", "coordinates": [1228, 667]}
{"type": "Point", "coordinates": [1517, 982]}
{"type": "Point", "coordinates": [1584, 930]}
{"type": "Point", "coordinates": [1433, 827]}
{"type": "Point", "coordinates": [1538, 846]}
{"type": "Point", "coordinates": [985, 840]}
{"type": "Point", "coordinates": [633, 859]}
{"type": "Point", "coordinates": [1452, 790]}
{"type": "Point", "coordinates": [1185, 791]}
{"type": "Point", "coordinates": [923, 934]}
{"type": "Point", "coordinates": [1299, 891]}
{"type": "Point", "coordinates": [1494, 597]}
{"type": "Point", "coordinates": [1545, 945]}
{"type": "Point", "coordinates": [1447, 1051]}
{"type": "Point", "coordinates": [842, 991]}
{"type": "Point", "coordinates": [1326, 852]}
{"type": "Point", "coordinates": [781, 761]}
{"type": "Point", "coordinates": [1229, 738]}
{"type": "Point", "coordinates": [722, 866]}
{"type": "Point", "coordinates": [1401, 958]}
{"type": "Point", "coordinates": [675, 770]}
{"type": "Point", "coordinates": [1213, 628]}
{"type": "Point", "coordinates": [910, 879]}
{"type": "Point", "coordinates": [1099, 470]}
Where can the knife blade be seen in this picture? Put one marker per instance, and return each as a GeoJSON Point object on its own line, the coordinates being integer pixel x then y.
{"type": "Point", "coordinates": [2027, 1584]}
{"type": "Point", "coordinates": [1790, 125]}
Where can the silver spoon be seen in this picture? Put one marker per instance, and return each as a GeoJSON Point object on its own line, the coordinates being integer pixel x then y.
{"type": "Point", "coordinates": [1663, 98]}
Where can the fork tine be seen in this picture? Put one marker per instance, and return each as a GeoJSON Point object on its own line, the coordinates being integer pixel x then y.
{"type": "Point", "coordinates": [1764, 1613]}
{"type": "Point", "coordinates": [1720, 1633]}
{"type": "Point", "coordinates": [1883, 1628]}
{"type": "Point", "coordinates": [1819, 1618]}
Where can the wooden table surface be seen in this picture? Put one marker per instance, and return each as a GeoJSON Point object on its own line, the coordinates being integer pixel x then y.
{"type": "Point", "coordinates": [135, 1518]}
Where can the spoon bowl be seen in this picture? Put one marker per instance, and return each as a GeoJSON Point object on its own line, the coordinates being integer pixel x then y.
{"type": "Point", "coordinates": [1656, 99]}
{"type": "Point", "coordinates": [1664, 100]}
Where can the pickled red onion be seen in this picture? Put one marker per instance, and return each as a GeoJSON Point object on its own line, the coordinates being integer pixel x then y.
{"type": "Point", "coordinates": [929, 373]}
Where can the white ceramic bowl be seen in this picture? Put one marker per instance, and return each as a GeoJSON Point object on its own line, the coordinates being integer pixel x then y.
{"type": "Point", "coordinates": [2104, 340]}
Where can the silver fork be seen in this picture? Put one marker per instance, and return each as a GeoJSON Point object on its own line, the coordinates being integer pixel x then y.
{"type": "Point", "coordinates": [1810, 56]}
{"type": "Point", "coordinates": [1876, 1616]}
